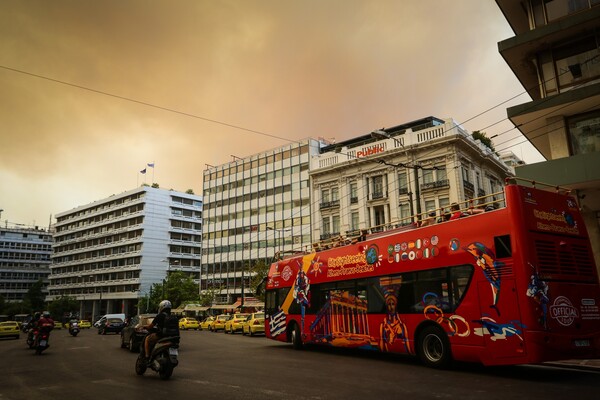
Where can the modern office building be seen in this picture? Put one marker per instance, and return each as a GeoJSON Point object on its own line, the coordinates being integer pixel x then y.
{"type": "Point", "coordinates": [107, 254]}
{"type": "Point", "coordinates": [555, 55]}
{"type": "Point", "coordinates": [386, 177]}
{"type": "Point", "coordinates": [254, 207]}
{"type": "Point", "coordinates": [24, 260]}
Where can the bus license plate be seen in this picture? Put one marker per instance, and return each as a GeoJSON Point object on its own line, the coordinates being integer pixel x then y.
{"type": "Point", "coordinates": [582, 343]}
{"type": "Point", "coordinates": [172, 352]}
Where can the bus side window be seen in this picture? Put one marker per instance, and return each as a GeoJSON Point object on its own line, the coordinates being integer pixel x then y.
{"type": "Point", "coordinates": [460, 279]}
{"type": "Point", "coordinates": [376, 301]}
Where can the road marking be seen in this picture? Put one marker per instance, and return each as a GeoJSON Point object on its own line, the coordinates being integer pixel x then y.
{"type": "Point", "coordinates": [78, 348]}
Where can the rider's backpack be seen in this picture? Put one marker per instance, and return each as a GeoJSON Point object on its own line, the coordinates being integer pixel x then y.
{"type": "Point", "coordinates": [171, 326]}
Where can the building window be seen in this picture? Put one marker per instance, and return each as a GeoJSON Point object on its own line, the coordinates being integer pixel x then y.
{"type": "Point", "coordinates": [325, 195]}
{"type": "Point", "coordinates": [377, 192]}
{"type": "Point", "coordinates": [354, 221]}
{"type": "Point", "coordinates": [584, 132]}
{"type": "Point", "coordinates": [335, 224]}
{"type": "Point", "coordinates": [441, 174]}
{"type": "Point", "coordinates": [570, 65]}
{"type": "Point", "coordinates": [427, 176]}
{"type": "Point", "coordinates": [326, 226]}
{"type": "Point", "coordinates": [335, 194]}
{"type": "Point", "coordinates": [402, 183]}
{"type": "Point", "coordinates": [405, 213]}
{"type": "Point", "coordinates": [353, 193]}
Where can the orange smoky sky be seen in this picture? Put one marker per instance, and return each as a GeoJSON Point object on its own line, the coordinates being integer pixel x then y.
{"type": "Point", "coordinates": [90, 92]}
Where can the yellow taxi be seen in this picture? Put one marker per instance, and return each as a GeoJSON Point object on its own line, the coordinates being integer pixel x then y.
{"type": "Point", "coordinates": [9, 329]}
{"type": "Point", "coordinates": [205, 324]}
{"type": "Point", "coordinates": [84, 324]}
{"type": "Point", "coordinates": [188, 323]}
{"type": "Point", "coordinates": [58, 325]}
{"type": "Point", "coordinates": [255, 323]}
{"type": "Point", "coordinates": [219, 322]}
{"type": "Point", "coordinates": [234, 324]}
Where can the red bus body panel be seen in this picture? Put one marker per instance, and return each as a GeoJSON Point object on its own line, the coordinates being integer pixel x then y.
{"type": "Point", "coordinates": [533, 295]}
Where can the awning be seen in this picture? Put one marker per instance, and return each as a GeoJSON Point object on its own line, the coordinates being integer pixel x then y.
{"type": "Point", "coordinates": [196, 308]}
{"type": "Point", "coordinates": [223, 307]}
{"type": "Point", "coordinates": [256, 304]}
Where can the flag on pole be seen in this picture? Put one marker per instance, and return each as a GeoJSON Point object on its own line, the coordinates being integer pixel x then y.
{"type": "Point", "coordinates": [143, 171]}
{"type": "Point", "coordinates": [151, 164]}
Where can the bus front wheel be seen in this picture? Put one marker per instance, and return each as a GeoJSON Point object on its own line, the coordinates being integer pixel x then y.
{"type": "Point", "coordinates": [434, 348]}
{"type": "Point", "coordinates": [296, 337]}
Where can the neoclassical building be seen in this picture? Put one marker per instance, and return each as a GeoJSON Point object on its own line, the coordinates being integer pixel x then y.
{"type": "Point", "coordinates": [393, 175]}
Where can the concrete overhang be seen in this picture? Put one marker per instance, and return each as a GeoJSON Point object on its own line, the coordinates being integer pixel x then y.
{"type": "Point", "coordinates": [531, 118]}
{"type": "Point", "coordinates": [520, 51]}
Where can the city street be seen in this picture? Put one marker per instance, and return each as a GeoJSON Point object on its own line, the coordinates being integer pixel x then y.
{"type": "Point", "coordinates": [220, 366]}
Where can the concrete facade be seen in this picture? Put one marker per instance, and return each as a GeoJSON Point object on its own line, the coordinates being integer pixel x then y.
{"type": "Point", "coordinates": [24, 259]}
{"type": "Point", "coordinates": [555, 55]}
{"type": "Point", "coordinates": [107, 254]}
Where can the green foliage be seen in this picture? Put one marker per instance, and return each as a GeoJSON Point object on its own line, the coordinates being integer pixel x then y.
{"type": "Point", "coordinates": [63, 305]}
{"type": "Point", "coordinates": [478, 135]}
{"type": "Point", "coordinates": [35, 297]}
{"type": "Point", "coordinates": [258, 272]}
{"type": "Point", "coordinates": [178, 288]}
{"type": "Point", "coordinates": [190, 191]}
{"type": "Point", "coordinates": [207, 297]}
{"type": "Point", "coordinates": [155, 185]}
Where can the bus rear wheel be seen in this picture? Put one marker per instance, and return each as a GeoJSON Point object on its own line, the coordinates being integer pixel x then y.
{"type": "Point", "coordinates": [434, 348]}
{"type": "Point", "coordinates": [296, 337]}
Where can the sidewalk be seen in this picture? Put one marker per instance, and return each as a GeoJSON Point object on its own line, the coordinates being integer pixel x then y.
{"type": "Point", "coordinates": [590, 365]}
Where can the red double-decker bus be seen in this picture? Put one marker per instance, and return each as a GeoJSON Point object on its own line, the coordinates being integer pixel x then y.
{"type": "Point", "coordinates": [514, 285]}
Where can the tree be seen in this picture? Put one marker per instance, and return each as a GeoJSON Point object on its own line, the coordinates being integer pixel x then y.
{"type": "Point", "coordinates": [189, 191]}
{"type": "Point", "coordinates": [478, 135]}
{"type": "Point", "coordinates": [177, 287]}
{"type": "Point", "coordinates": [258, 273]}
{"type": "Point", "coordinates": [63, 305]}
{"type": "Point", "coordinates": [155, 185]}
{"type": "Point", "coordinates": [207, 297]}
{"type": "Point", "coordinates": [34, 297]}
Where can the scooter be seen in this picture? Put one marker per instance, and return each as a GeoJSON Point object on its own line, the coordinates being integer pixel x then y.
{"type": "Point", "coordinates": [163, 357]}
{"type": "Point", "coordinates": [74, 328]}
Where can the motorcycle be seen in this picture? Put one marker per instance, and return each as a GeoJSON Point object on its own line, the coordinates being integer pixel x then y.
{"type": "Point", "coordinates": [163, 357]}
{"type": "Point", "coordinates": [32, 333]}
{"type": "Point", "coordinates": [42, 341]}
{"type": "Point", "coordinates": [74, 328]}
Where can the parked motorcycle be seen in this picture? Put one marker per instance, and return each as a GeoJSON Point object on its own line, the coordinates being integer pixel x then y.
{"type": "Point", "coordinates": [163, 358]}
{"type": "Point", "coordinates": [74, 328]}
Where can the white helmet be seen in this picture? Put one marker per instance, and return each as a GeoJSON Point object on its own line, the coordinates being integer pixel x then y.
{"type": "Point", "coordinates": [164, 305]}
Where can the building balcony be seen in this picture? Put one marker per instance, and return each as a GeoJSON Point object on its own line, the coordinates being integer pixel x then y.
{"type": "Point", "coordinates": [353, 200]}
{"type": "Point", "coordinates": [444, 183]}
{"type": "Point", "coordinates": [378, 195]}
{"type": "Point", "coordinates": [469, 186]}
{"type": "Point", "coordinates": [329, 204]}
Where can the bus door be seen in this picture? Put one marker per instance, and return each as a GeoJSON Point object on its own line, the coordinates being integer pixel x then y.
{"type": "Point", "coordinates": [500, 323]}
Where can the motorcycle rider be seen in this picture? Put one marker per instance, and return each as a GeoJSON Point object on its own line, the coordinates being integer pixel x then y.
{"type": "Point", "coordinates": [32, 325]}
{"type": "Point", "coordinates": [159, 322]}
{"type": "Point", "coordinates": [45, 323]}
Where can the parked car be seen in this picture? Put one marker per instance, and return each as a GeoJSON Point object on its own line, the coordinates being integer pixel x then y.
{"type": "Point", "coordinates": [133, 333]}
{"type": "Point", "coordinates": [188, 323]}
{"type": "Point", "coordinates": [206, 322]}
{"type": "Point", "coordinates": [10, 329]}
{"type": "Point", "coordinates": [114, 325]}
{"type": "Point", "coordinates": [219, 322]}
{"type": "Point", "coordinates": [84, 324]}
{"type": "Point", "coordinates": [234, 324]}
{"type": "Point", "coordinates": [255, 323]}
{"type": "Point", "coordinates": [58, 325]}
